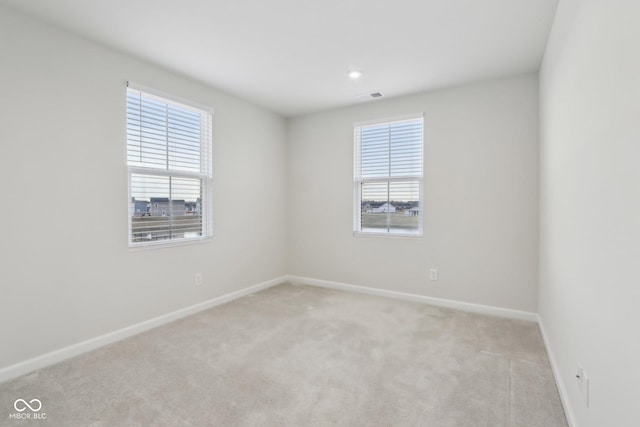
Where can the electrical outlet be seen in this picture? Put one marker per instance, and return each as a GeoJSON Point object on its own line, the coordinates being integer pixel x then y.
{"type": "Point", "coordinates": [433, 274]}
{"type": "Point", "coordinates": [198, 279]}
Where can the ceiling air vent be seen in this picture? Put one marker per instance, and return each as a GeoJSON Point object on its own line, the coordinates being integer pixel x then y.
{"type": "Point", "coordinates": [374, 95]}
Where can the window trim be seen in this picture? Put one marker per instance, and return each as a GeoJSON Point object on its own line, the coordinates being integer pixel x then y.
{"type": "Point", "coordinates": [205, 175]}
{"type": "Point", "coordinates": [359, 180]}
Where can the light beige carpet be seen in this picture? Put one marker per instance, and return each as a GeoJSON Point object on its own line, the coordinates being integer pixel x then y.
{"type": "Point", "coordinates": [306, 356]}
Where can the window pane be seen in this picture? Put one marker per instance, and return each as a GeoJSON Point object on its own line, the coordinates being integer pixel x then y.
{"type": "Point", "coordinates": [188, 193]}
{"type": "Point", "coordinates": [373, 206]}
{"type": "Point", "coordinates": [162, 135]}
{"type": "Point", "coordinates": [405, 200]}
{"type": "Point", "coordinates": [391, 207]}
{"type": "Point", "coordinates": [391, 150]}
{"type": "Point", "coordinates": [406, 149]}
{"type": "Point", "coordinates": [374, 147]}
{"type": "Point", "coordinates": [183, 136]}
{"type": "Point", "coordinates": [165, 208]}
{"type": "Point", "coordinates": [146, 131]}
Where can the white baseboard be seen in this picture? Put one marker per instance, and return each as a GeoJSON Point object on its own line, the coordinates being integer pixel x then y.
{"type": "Point", "coordinates": [459, 305]}
{"type": "Point", "coordinates": [56, 356]}
{"type": "Point", "coordinates": [562, 390]}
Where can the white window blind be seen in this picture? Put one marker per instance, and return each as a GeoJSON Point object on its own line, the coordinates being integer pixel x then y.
{"type": "Point", "coordinates": [388, 177]}
{"type": "Point", "coordinates": [169, 167]}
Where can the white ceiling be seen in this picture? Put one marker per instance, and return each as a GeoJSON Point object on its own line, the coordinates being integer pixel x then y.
{"type": "Point", "coordinates": [292, 56]}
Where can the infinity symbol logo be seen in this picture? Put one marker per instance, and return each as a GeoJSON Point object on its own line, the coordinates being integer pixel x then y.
{"type": "Point", "coordinates": [26, 405]}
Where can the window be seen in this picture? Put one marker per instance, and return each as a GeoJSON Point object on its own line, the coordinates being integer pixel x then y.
{"type": "Point", "coordinates": [388, 177]}
{"type": "Point", "coordinates": [169, 168]}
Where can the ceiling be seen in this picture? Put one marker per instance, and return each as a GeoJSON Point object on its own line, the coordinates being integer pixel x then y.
{"type": "Point", "coordinates": [293, 56]}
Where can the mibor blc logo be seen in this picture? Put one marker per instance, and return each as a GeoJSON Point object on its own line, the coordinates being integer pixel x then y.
{"type": "Point", "coordinates": [28, 410]}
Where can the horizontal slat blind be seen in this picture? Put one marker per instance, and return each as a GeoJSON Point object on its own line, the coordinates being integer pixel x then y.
{"type": "Point", "coordinates": [391, 150]}
{"type": "Point", "coordinates": [169, 159]}
{"type": "Point", "coordinates": [163, 135]}
{"type": "Point", "coordinates": [388, 177]}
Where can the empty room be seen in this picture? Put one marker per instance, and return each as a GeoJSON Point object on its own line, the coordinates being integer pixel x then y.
{"type": "Point", "coordinates": [320, 213]}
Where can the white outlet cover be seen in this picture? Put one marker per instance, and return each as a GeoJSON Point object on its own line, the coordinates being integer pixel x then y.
{"type": "Point", "coordinates": [585, 386]}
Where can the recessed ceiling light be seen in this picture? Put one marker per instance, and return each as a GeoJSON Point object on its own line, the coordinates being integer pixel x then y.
{"type": "Point", "coordinates": [355, 74]}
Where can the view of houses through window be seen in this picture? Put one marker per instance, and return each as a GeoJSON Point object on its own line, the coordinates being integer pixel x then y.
{"type": "Point", "coordinates": [165, 208]}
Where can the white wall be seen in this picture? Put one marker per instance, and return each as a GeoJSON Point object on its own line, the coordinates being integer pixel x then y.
{"type": "Point", "coordinates": [481, 197]}
{"type": "Point", "coordinates": [66, 273]}
{"type": "Point", "coordinates": [590, 206]}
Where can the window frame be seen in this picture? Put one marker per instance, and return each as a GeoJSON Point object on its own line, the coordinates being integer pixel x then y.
{"type": "Point", "coordinates": [358, 180]}
{"type": "Point", "coordinates": [204, 175]}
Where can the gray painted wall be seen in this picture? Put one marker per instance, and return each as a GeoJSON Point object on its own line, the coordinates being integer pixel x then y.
{"type": "Point", "coordinates": [481, 197]}
{"type": "Point", "coordinates": [66, 278]}
{"type": "Point", "coordinates": [590, 206]}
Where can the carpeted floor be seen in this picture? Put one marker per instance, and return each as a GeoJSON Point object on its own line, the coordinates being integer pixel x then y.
{"type": "Point", "coordinates": [306, 356]}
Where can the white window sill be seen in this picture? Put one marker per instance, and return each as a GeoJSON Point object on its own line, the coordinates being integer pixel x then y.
{"type": "Point", "coordinates": [387, 235]}
{"type": "Point", "coordinates": [169, 244]}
